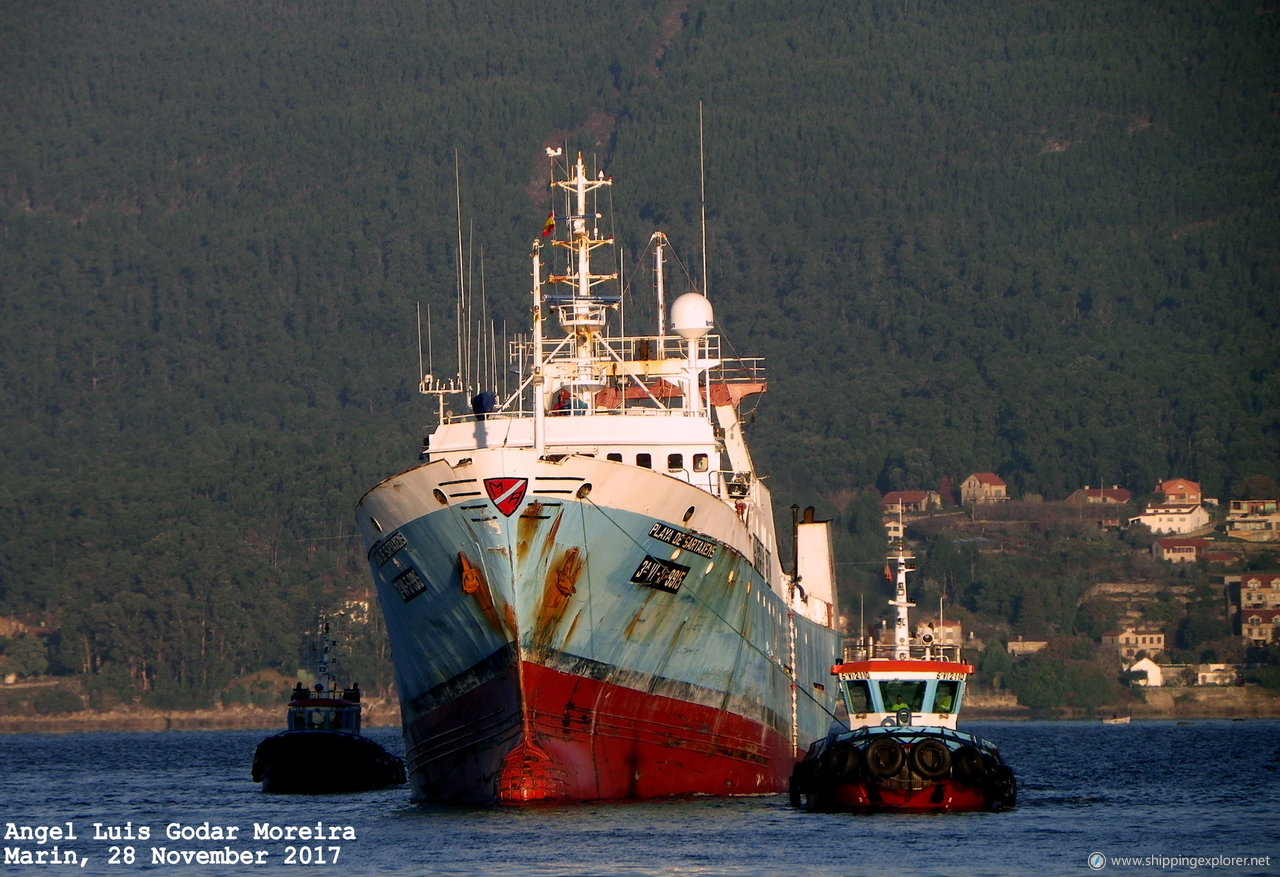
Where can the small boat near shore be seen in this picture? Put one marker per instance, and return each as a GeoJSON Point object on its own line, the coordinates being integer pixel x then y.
{"type": "Point", "coordinates": [901, 750]}
{"type": "Point", "coordinates": [322, 750]}
{"type": "Point", "coordinates": [1116, 720]}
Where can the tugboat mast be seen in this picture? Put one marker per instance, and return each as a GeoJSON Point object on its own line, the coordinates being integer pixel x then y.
{"type": "Point", "coordinates": [902, 623]}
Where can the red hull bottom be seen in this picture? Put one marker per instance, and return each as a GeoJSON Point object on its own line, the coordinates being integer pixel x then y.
{"type": "Point", "coordinates": [926, 769]}
{"type": "Point", "coordinates": [529, 734]}
{"type": "Point", "coordinates": [943, 797]}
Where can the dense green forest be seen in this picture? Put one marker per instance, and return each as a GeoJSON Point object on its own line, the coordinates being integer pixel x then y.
{"type": "Point", "coordinates": [1034, 238]}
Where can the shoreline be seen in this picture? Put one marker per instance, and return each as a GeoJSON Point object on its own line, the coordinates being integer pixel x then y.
{"type": "Point", "coordinates": [378, 713]}
{"type": "Point", "coordinates": [1158, 704]}
{"type": "Point", "coordinates": [1200, 702]}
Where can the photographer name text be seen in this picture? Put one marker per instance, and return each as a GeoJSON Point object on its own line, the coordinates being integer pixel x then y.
{"type": "Point", "coordinates": [174, 843]}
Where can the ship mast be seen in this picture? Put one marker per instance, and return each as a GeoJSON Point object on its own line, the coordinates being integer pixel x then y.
{"type": "Point", "coordinates": [902, 624]}
{"type": "Point", "coordinates": [583, 313]}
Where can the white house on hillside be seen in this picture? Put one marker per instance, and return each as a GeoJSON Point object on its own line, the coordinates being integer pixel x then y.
{"type": "Point", "coordinates": [1155, 675]}
{"type": "Point", "coordinates": [1173, 518]}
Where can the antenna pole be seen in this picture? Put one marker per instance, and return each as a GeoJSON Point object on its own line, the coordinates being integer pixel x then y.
{"type": "Point", "coordinates": [660, 238]}
{"type": "Point", "coordinates": [418, 313]}
{"type": "Point", "coordinates": [539, 415]}
{"type": "Point", "coordinates": [457, 190]}
{"type": "Point", "coordinates": [702, 189]}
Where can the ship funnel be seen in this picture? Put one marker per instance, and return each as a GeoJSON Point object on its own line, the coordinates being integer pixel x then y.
{"type": "Point", "coordinates": [691, 316]}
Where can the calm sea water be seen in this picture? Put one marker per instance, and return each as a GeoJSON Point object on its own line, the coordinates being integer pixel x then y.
{"type": "Point", "coordinates": [1166, 790]}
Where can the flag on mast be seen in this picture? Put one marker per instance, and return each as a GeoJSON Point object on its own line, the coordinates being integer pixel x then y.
{"type": "Point", "coordinates": [550, 224]}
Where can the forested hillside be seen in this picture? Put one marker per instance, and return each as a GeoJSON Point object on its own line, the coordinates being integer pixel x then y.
{"type": "Point", "coordinates": [1036, 238]}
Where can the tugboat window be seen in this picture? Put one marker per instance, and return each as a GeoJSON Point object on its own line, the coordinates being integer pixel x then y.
{"type": "Point", "coordinates": [945, 700]}
{"type": "Point", "coordinates": [898, 694]}
{"type": "Point", "coordinates": [859, 696]}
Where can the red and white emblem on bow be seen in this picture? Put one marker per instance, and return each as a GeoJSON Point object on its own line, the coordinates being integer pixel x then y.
{"type": "Point", "coordinates": [506, 493]}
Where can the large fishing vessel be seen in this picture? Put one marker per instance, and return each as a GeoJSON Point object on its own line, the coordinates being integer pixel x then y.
{"type": "Point", "coordinates": [581, 579]}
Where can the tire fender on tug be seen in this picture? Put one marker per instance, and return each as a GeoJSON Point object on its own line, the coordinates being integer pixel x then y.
{"type": "Point", "coordinates": [931, 759]}
{"type": "Point", "coordinates": [885, 758]}
{"type": "Point", "coordinates": [969, 766]}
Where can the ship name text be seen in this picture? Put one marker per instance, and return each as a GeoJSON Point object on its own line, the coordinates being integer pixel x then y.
{"type": "Point", "coordinates": [383, 551]}
{"type": "Point", "coordinates": [680, 539]}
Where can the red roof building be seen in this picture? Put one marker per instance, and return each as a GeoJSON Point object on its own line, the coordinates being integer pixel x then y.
{"type": "Point", "coordinates": [1175, 550]}
{"type": "Point", "coordinates": [1112, 494]}
{"type": "Point", "coordinates": [983, 487]}
{"type": "Point", "coordinates": [896, 501]}
{"type": "Point", "coordinates": [1180, 490]}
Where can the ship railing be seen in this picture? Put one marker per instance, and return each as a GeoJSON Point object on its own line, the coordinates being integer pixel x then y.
{"type": "Point", "coordinates": [640, 350]}
{"type": "Point", "coordinates": [628, 359]}
{"type": "Point", "coordinates": [914, 651]}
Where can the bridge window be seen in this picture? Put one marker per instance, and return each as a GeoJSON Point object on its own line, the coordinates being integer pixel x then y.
{"type": "Point", "coordinates": [945, 701]}
{"type": "Point", "coordinates": [699, 462]}
{"type": "Point", "coordinates": [898, 694]}
{"type": "Point", "coordinates": [857, 697]}
{"type": "Point", "coordinates": [644, 461]}
{"type": "Point", "coordinates": [617, 458]}
{"type": "Point", "coordinates": [675, 462]}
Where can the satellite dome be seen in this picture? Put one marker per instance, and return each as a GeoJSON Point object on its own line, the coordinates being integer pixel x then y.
{"type": "Point", "coordinates": [691, 316]}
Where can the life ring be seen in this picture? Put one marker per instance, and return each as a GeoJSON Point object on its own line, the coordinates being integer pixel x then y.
{"type": "Point", "coordinates": [884, 758]}
{"type": "Point", "coordinates": [931, 759]}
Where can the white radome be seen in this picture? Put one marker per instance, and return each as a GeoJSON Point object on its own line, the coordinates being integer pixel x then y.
{"type": "Point", "coordinates": [691, 316]}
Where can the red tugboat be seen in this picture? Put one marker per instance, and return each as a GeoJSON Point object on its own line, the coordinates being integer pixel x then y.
{"type": "Point", "coordinates": [902, 750]}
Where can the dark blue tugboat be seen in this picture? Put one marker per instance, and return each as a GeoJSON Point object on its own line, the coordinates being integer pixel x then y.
{"type": "Point", "coordinates": [322, 750]}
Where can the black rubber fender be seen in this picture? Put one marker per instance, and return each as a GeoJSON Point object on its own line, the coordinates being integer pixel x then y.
{"type": "Point", "coordinates": [885, 758]}
{"type": "Point", "coordinates": [968, 766]}
{"type": "Point", "coordinates": [931, 759]}
{"type": "Point", "coordinates": [851, 765]}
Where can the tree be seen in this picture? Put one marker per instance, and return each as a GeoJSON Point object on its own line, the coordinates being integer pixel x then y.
{"type": "Point", "coordinates": [1047, 681]}
{"type": "Point", "coordinates": [994, 664]}
{"type": "Point", "coordinates": [24, 655]}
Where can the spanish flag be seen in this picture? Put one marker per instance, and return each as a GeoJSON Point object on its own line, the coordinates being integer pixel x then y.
{"type": "Point", "coordinates": [550, 225]}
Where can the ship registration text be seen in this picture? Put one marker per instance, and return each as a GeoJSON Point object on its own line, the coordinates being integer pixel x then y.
{"type": "Point", "coordinates": [201, 844]}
